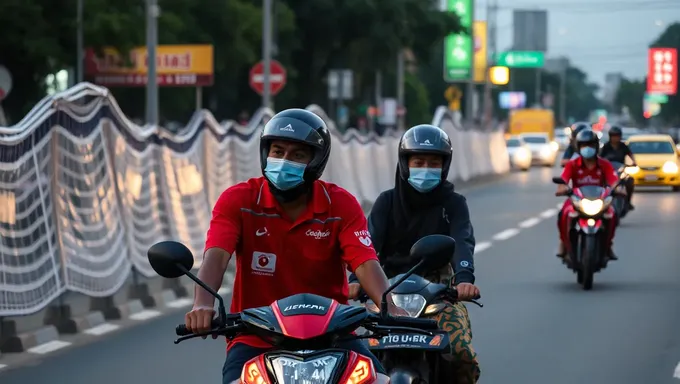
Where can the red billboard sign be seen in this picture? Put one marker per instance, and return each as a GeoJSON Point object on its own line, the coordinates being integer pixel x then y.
{"type": "Point", "coordinates": [662, 72]}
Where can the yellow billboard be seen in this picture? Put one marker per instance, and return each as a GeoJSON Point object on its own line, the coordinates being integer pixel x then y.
{"type": "Point", "coordinates": [480, 60]}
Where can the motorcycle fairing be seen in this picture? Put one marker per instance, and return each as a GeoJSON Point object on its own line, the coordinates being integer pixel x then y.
{"type": "Point", "coordinates": [303, 321]}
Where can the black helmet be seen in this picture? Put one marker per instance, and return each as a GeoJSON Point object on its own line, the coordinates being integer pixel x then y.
{"type": "Point", "coordinates": [424, 138]}
{"type": "Point", "coordinates": [615, 131]}
{"type": "Point", "coordinates": [587, 138]}
{"type": "Point", "coordinates": [302, 126]}
{"type": "Point", "coordinates": [578, 127]}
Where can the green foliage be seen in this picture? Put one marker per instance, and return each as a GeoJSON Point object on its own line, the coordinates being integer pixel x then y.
{"type": "Point", "coordinates": [630, 95]}
{"type": "Point", "coordinates": [670, 38]}
{"type": "Point", "coordinates": [417, 101]}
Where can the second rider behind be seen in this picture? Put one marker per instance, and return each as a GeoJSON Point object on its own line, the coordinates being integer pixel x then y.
{"type": "Point", "coordinates": [616, 150]}
{"type": "Point", "coordinates": [423, 203]}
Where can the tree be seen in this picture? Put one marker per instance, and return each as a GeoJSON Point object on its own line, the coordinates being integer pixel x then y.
{"type": "Point", "coordinates": [630, 95]}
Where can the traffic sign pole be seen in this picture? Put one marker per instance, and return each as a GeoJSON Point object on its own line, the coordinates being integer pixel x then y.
{"type": "Point", "coordinates": [469, 107]}
{"type": "Point", "coordinates": [267, 52]}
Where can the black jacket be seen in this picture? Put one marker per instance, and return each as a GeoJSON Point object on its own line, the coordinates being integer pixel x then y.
{"type": "Point", "coordinates": [617, 155]}
{"type": "Point", "coordinates": [393, 239]}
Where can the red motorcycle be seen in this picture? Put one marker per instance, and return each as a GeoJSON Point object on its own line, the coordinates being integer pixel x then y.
{"type": "Point", "coordinates": [588, 230]}
{"type": "Point", "coordinates": [305, 328]}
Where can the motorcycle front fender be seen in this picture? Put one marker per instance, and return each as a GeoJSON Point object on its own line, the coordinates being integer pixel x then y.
{"type": "Point", "coordinates": [403, 375]}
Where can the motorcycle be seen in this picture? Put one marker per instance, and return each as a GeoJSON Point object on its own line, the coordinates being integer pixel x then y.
{"type": "Point", "coordinates": [305, 328]}
{"type": "Point", "coordinates": [620, 202]}
{"type": "Point", "coordinates": [413, 358]}
{"type": "Point", "coordinates": [588, 230]}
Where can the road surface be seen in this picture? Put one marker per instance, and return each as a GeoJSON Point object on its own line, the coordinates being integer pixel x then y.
{"type": "Point", "coordinates": [537, 325]}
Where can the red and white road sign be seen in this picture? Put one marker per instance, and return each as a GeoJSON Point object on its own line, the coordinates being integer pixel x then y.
{"type": "Point", "coordinates": [277, 77]}
{"type": "Point", "coordinates": [662, 73]}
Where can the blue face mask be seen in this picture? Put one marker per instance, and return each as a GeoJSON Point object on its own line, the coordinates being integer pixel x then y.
{"type": "Point", "coordinates": [588, 152]}
{"type": "Point", "coordinates": [424, 179]}
{"type": "Point", "coordinates": [284, 174]}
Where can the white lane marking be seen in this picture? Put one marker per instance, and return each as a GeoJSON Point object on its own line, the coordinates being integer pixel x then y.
{"type": "Point", "coordinates": [549, 213]}
{"type": "Point", "coordinates": [508, 233]}
{"type": "Point", "coordinates": [2, 366]}
{"type": "Point", "coordinates": [676, 374]}
{"type": "Point", "coordinates": [145, 315]}
{"type": "Point", "coordinates": [180, 303]}
{"type": "Point", "coordinates": [101, 329]}
{"type": "Point", "coordinates": [481, 247]}
{"type": "Point", "coordinates": [48, 347]}
{"type": "Point", "coordinates": [528, 223]}
{"type": "Point", "coordinates": [559, 205]}
{"type": "Point", "coordinates": [224, 291]}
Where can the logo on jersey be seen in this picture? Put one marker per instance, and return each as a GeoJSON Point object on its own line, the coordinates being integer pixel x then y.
{"type": "Point", "coordinates": [318, 234]}
{"type": "Point", "coordinates": [588, 180]}
{"type": "Point", "coordinates": [263, 263]}
{"type": "Point", "coordinates": [261, 232]}
{"type": "Point", "coordinates": [364, 237]}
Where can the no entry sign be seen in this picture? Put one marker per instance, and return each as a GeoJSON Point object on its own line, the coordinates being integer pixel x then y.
{"type": "Point", "coordinates": [277, 77]}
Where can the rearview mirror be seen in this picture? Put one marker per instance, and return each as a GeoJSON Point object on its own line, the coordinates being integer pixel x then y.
{"type": "Point", "coordinates": [435, 251]}
{"type": "Point", "coordinates": [558, 180]}
{"type": "Point", "coordinates": [170, 259]}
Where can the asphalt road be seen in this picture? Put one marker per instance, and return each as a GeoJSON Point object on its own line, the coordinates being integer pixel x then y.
{"type": "Point", "coordinates": [537, 325]}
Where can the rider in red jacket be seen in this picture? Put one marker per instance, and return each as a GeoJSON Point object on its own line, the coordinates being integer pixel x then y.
{"type": "Point", "coordinates": [587, 169]}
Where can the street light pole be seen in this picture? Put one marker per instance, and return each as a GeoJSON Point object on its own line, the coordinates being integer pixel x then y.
{"type": "Point", "coordinates": [79, 42]}
{"type": "Point", "coordinates": [152, 12]}
{"type": "Point", "coordinates": [267, 53]}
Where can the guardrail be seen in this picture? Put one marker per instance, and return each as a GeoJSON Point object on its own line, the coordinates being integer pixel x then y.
{"type": "Point", "coordinates": [84, 191]}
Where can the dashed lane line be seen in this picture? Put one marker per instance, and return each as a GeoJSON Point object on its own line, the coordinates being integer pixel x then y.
{"type": "Point", "coordinates": [676, 373]}
{"type": "Point", "coordinates": [483, 246]}
{"type": "Point", "coordinates": [548, 213]}
{"type": "Point", "coordinates": [508, 233]}
{"type": "Point", "coordinates": [180, 303]}
{"type": "Point", "coordinates": [528, 223]}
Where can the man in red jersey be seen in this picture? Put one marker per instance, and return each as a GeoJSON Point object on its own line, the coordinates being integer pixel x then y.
{"type": "Point", "coordinates": [291, 233]}
{"type": "Point", "coordinates": [587, 169]}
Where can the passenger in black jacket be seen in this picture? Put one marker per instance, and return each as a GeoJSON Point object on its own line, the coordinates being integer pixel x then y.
{"type": "Point", "coordinates": [423, 203]}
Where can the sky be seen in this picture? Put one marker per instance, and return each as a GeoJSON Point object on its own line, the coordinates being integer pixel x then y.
{"type": "Point", "coordinates": [598, 36]}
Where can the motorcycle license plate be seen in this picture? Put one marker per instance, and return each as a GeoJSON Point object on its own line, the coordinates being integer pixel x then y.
{"type": "Point", "coordinates": [436, 342]}
{"type": "Point", "coordinates": [651, 178]}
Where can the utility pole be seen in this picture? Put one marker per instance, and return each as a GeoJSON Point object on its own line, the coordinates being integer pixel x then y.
{"type": "Point", "coordinates": [492, 25]}
{"type": "Point", "coordinates": [79, 42]}
{"type": "Point", "coordinates": [152, 12]}
{"type": "Point", "coordinates": [400, 89]}
{"type": "Point", "coordinates": [267, 52]}
{"type": "Point", "coordinates": [470, 99]}
{"type": "Point", "coordinates": [563, 94]}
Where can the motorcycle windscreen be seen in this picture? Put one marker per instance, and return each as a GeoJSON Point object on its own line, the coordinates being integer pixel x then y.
{"type": "Point", "coordinates": [591, 192]}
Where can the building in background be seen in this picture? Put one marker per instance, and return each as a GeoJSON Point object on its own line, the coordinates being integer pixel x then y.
{"type": "Point", "coordinates": [612, 82]}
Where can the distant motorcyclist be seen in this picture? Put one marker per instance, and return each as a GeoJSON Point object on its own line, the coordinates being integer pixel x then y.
{"type": "Point", "coordinates": [423, 203]}
{"type": "Point", "coordinates": [616, 151]}
{"type": "Point", "coordinates": [587, 169]}
{"type": "Point", "coordinates": [571, 150]}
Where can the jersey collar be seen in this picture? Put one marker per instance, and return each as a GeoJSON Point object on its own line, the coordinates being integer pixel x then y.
{"type": "Point", "coordinates": [321, 199]}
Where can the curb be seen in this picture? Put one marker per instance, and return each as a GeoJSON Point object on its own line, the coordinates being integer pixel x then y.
{"type": "Point", "coordinates": [95, 323]}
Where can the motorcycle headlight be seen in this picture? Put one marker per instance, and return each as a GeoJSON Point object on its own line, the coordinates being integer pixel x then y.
{"type": "Point", "coordinates": [591, 207]}
{"type": "Point", "coordinates": [632, 170]}
{"type": "Point", "coordinates": [411, 303]}
{"type": "Point", "coordinates": [670, 167]}
{"type": "Point", "coordinates": [313, 371]}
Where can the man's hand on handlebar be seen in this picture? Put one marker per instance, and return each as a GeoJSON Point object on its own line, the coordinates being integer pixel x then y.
{"type": "Point", "coordinates": [354, 291]}
{"type": "Point", "coordinates": [562, 190]}
{"type": "Point", "coordinates": [467, 291]}
{"type": "Point", "coordinates": [199, 320]}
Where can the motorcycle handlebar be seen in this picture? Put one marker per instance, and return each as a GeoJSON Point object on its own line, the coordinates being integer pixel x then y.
{"type": "Point", "coordinates": [181, 330]}
{"type": "Point", "coordinates": [408, 322]}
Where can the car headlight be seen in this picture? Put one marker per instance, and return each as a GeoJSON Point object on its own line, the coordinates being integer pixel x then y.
{"type": "Point", "coordinates": [413, 304]}
{"type": "Point", "coordinates": [522, 154]}
{"type": "Point", "coordinates": [632, 170]}
{"type": "Point", "coordinates": [670, 167]}
{"type": "Point", "coordinates": [554, 146]}
{"type": "Point", "coordinates": [313, 371]}
{"type": "Point", "coordinates": [591, 207]}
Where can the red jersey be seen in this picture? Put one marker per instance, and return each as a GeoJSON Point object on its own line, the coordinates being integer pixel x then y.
{"type": "Point", "coordinates": [601, 175]}
{"type": "Point", "coordinates": [276, 257]}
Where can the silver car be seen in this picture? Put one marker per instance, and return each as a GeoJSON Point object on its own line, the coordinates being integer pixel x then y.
{"type": "Point", "coordinates": [543, 151]}
{"type": "Point", "coordinates": [519, 152]}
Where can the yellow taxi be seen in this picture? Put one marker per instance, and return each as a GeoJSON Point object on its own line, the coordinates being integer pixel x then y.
{"type": "Point", "coordinates": [658, 161]}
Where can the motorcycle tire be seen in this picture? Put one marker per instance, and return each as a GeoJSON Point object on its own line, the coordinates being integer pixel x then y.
{"type": "Point", "coordinates": [404, 376]}
{"type": "Point", "coordinates": [588, 249]}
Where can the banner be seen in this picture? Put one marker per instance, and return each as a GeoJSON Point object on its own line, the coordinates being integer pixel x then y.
{"type": "Point", "coordinates": [662, 71]}
{"type": "Point", "coordinates": [176, 65]}
{"type": "Point", "coordinates": [481, 48]}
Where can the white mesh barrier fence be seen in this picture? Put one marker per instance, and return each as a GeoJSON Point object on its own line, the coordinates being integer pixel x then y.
{"type": "Point", "coordinates": [84, 192]}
